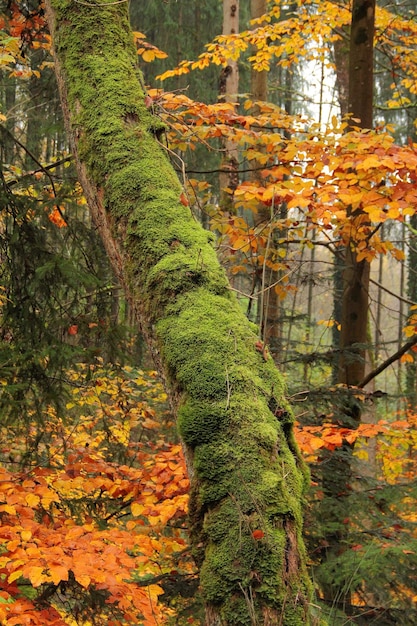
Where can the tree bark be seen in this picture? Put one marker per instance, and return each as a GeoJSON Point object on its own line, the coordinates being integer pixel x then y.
{"type": "Point", "coordinates": [337, 463]}
{"type": "Point", "coordinates": [258, 80]}
{"type": "Point", "coordinates": [361, 62]}
{"type": "Point", "coordinates": [354, 314]}
{"type": "Point", "coordinates": [228, 92]}
{"type": "Point", "coordinates": [245, 471]}
{"type": "Point", "coordinates": [269, 303]}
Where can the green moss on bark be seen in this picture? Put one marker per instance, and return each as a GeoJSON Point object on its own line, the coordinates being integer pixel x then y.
{"type": "Point", "coordinates": [234, 421]}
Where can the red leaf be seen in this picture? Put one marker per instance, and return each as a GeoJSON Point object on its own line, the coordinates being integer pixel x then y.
{"type": "Point", "coordinates": [184, 199]}
{"type": "Point", "coordinates": [258, 534]}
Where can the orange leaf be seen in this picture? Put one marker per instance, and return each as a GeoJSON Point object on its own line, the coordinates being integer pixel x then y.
{"type": "Point", "coordinates": [150, 423]}
{"type": "Point", "coordinates": [35, 575]}
{"type": "Point", "coordinates": [56, 218]}
{"type": "Point", "coordinates": [58, 573]}
{"type": "Point", "coordinates": [316, 443]}
{"type": "Point", "coordinates": [407, 358]}
{"type": "Point", "coordinates": [83, 579]}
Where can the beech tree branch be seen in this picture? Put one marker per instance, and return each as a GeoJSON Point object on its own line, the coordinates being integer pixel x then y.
{"type": "Point", "coordinates": [394, 357]}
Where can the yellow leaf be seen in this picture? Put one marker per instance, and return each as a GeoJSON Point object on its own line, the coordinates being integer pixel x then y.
{"type": "Point", "coordinates": [346, 198]}
{"type": "Point", "coordinates": [362, 454]}
{"type": "Point", "coordinates": [48, 498]}
{"type": "Point", "coordinates": [15, 575]}
{"type": "Point", "coordinates": [137, 509]}
{"type": "Point", "coordinates": [26, 535]}
{"type": "Point", "coordinates": [148, 56]}
{"type": "Point", "coordinates": [241, 244]}
{"type": "Point", "coordinates": [160, 54]}
{"type": "Point", "coordinates": [138, 34]}
{"type": "Point", "coordinates": [4, 560]}
{"type": "Point", "coordinates": [370, 163]}
{"type": "Point", "coordinates": [393, 212]}
{"type": "Point", "coordinates": [32, 500]}
{"type": "Point", "coordinates": [8, 508]}
{"type": "Point", "coordinates": [335, 122]}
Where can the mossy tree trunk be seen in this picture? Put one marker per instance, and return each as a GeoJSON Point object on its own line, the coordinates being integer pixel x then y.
{"type": "Point", "coordinates": [245, 471]}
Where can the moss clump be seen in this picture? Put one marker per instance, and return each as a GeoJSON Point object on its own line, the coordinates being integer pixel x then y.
{"type": "Point", "coordinates": [199, 422]}
{"type": "Point", "coordinates": [215, 463]}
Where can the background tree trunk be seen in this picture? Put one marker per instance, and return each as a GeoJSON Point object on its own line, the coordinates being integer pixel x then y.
{"type": "Point", "coordinates": [356, 273]}
{"type": "Point", "coordinates": [337, 464]}
{"type": "Point", "coordinates": [269, 304]}
{"type": "Point", "coordinates": [228, 92]}
{"type": "Point", "coordinates": [247, 478]}
{"type": "Point", "coordinates": [258, 80]}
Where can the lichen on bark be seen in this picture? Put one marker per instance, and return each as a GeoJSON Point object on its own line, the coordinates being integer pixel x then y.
{"type": "Point", "coordinates": [247, 478]}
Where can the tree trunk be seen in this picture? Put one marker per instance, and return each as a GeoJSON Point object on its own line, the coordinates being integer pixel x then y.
{"type": "Point", "coordinates": [269, 303]}
{"type": "Point", "coordinates": [341, 61]}
{"type": "Point", "coordinates": [411, 374]}
{"type": "Point", "coordinates": [337, 464]}
{"type": "Point", "coordinates": [258, 80]}
{"type": "Point", "coordinates": [7, 147]}
{"type": "Point", "coordinates": [247, 478]}
{"type": "Point", "coordinates": [361, 62]}
{"type": "Point", "coordinates": [354, 314]}
{"type": "Point", "coordinates": [228, 92]}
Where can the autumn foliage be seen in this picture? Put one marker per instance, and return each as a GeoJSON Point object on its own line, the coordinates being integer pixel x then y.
{"type": "Point", "coordinates": [104, 512]}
